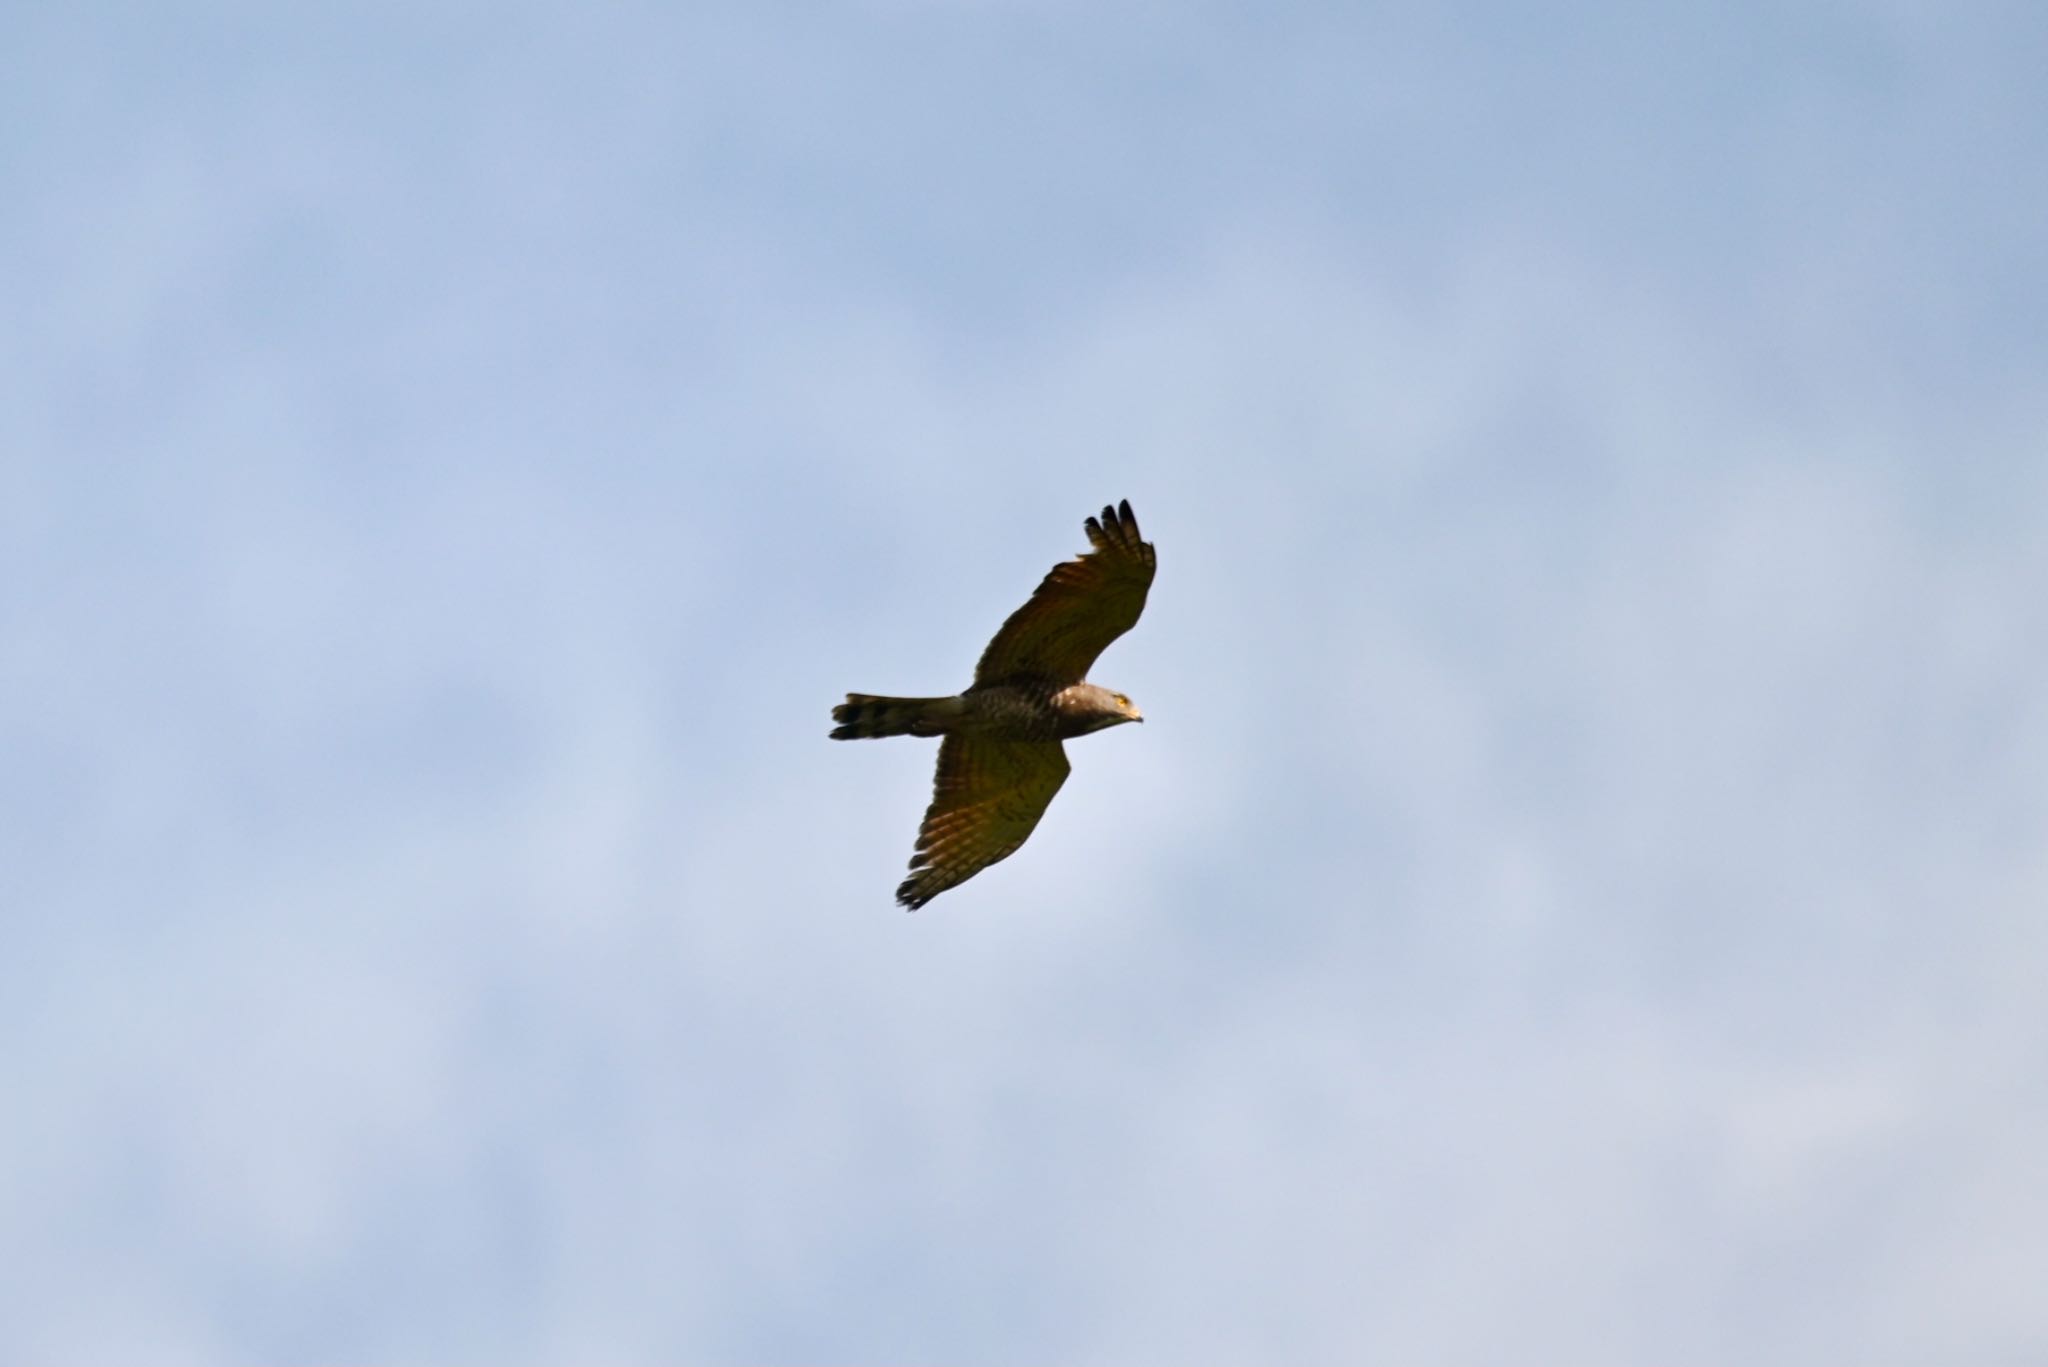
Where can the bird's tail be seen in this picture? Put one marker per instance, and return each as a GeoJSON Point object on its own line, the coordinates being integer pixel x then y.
{"type": "Point", "coordinates": [863, 716]}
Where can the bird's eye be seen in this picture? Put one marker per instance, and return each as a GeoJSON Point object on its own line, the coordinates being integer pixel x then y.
{"type": "Point", "coordinates": [1122, 701]}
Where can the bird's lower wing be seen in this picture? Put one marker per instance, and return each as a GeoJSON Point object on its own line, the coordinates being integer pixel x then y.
{"type": "Point", "coordinates": [986, 799]}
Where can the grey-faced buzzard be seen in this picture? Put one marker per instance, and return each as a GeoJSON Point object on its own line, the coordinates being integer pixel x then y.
{"type": "Point", "coordinates": [1002, 758]}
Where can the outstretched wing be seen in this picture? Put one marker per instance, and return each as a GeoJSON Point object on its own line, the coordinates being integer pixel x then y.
{"type": "Point", "coordinates": [986, 801]}
{"type": "Point", "coordinates": [1078, 609]}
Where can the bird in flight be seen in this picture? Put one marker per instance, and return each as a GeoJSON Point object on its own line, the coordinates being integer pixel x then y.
{"type": "Point", "coordinates": [1002, 758]}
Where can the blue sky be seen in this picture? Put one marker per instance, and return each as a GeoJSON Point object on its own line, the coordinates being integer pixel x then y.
{"type": "Point", "coordinates": [1577, 897]}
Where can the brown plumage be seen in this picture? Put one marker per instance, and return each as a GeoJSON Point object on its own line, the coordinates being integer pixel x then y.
{"type": "Point", "coordinates": [1002, 758]}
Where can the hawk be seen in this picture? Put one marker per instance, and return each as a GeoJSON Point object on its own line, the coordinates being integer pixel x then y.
{"type": "Point", "coordinates": [1002, 758]}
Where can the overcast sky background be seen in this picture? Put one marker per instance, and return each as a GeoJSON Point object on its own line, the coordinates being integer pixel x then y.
{"type": "Point", "coordinates": [1578, 897]}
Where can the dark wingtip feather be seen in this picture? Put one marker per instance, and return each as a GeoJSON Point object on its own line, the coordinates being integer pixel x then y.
{"type": "Point", "coordinates": [1119, 524]}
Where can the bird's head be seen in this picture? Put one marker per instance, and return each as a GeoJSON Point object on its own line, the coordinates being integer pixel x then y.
{"type": "Point", "coordinates": [1089, 707]}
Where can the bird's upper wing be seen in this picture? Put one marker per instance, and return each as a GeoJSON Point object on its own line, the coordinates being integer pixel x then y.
{"type": "Point", "coordinates": [1078, 609]}
{"type": "Point", "coordinates": [986, 800]}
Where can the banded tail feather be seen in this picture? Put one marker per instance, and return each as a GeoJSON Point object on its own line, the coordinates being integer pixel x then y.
{"type": "Point", "coordinates": [865, 716]}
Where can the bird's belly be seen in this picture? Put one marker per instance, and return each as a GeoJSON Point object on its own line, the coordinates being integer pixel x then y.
{"type": "Point", "coordinates": [1010, 712]}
